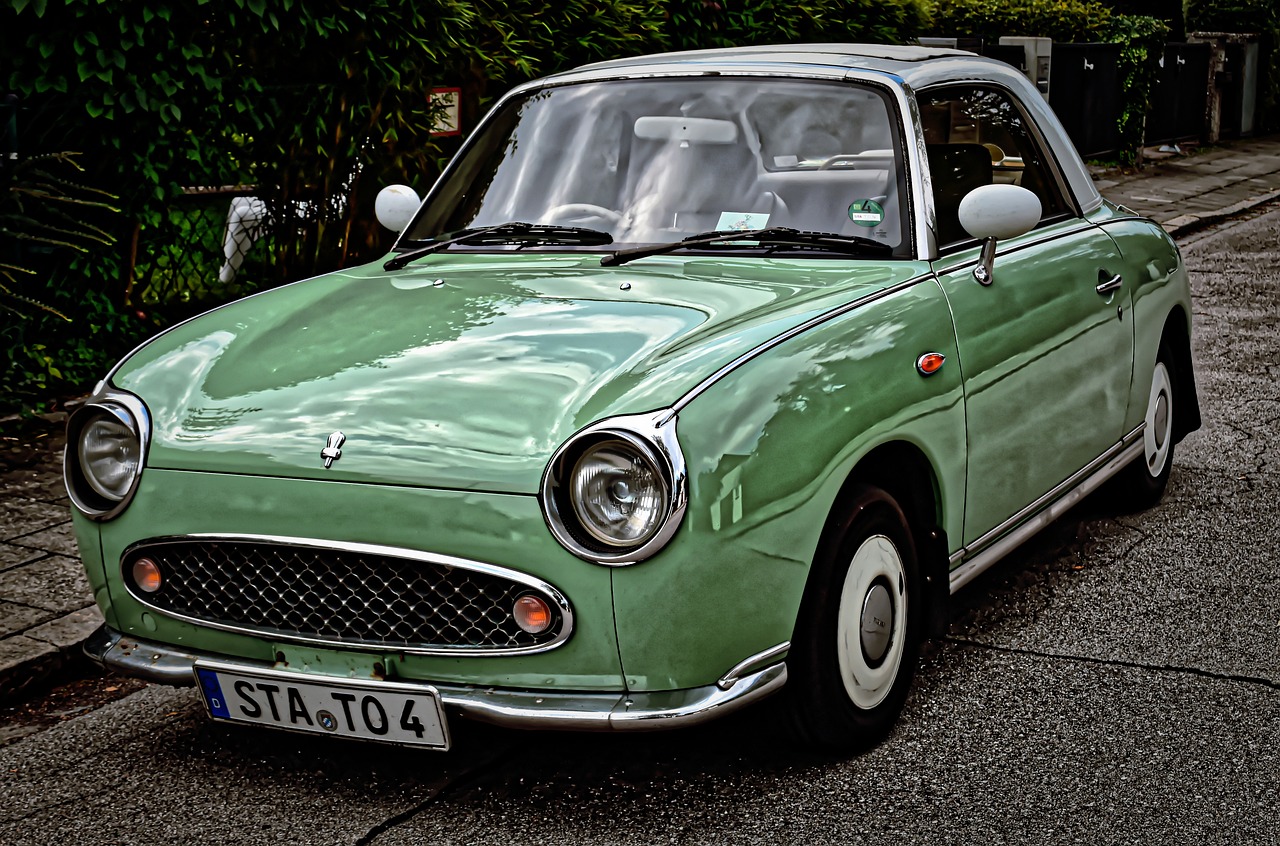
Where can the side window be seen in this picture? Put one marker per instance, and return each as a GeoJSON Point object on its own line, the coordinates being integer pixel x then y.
{"type": "Point", "coordinates": [977, 136]}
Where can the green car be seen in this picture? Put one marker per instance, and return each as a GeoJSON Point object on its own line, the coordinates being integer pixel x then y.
{"type": "Point", "coordinates": [695, 379]}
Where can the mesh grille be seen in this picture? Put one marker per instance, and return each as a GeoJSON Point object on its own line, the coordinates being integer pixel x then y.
{"type": "Point", "coordinates": [337, 595]}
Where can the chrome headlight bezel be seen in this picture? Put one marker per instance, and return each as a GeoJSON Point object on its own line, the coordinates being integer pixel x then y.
{"type": "Point", "coordinates": [652, 439]}
{"type": "Point", "coordinates": [118, 407]}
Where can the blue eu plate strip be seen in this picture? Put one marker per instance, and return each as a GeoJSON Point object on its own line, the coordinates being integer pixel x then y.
{"type": "Point", "coordinates": [213, 693]}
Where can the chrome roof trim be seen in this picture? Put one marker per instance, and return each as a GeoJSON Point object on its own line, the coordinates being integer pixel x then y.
{"type": "Point", "coordinates": [545, 589]}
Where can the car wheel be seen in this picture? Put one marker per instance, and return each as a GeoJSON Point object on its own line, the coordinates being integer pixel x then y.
{"type": "Point", "coordinates": [1142, 483]}
{"type": "Point", "coordinates": [858, 636]}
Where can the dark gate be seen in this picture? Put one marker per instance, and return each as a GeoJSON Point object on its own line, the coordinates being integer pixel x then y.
{"type": "Point", "coordinates": [1179, 101]}
{"type": "Point", "coordinates": [1237, 82]}
{"type": "Point", "coordinates": [1084, 90]}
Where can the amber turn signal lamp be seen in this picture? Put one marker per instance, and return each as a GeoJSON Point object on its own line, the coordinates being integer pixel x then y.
{"type": "Point", "coordinates": [532, 614]}
{"type": "Point", "coordinates": [146, 575]}
{"type": "Point", "coordinates": [930, 363]}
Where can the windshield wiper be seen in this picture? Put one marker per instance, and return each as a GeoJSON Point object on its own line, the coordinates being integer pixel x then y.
{"type": "Point", "coordinates": [507, 233]}
{"type": "Point", "coordinates": [774, 236]}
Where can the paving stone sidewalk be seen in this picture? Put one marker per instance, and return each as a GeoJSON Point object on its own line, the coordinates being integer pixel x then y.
{"type": "Point", "coordinates": [1185, 192]}
{"type": "Point", "coordinates": [46, 610]}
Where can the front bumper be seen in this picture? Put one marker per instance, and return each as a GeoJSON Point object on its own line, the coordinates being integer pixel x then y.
{"type": "Point", "coordinates": [582, 711]}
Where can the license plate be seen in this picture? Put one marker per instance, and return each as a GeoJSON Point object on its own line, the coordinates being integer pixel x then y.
{"type": "Point", "coordinates": [386, 712]}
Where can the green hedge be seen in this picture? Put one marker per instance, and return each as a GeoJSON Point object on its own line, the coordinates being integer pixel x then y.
{"type": "Point", "coordinates": [1061, 20]}
{"type": "Point", "coordinates": [300, 100]}
{"type": "Point", "coordinates": [696, 24]}
{"type": "Point", "coordinates": [289, 96]}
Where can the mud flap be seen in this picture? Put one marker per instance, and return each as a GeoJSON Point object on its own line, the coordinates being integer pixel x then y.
{"type": "Point", "coordinates": [935, 568]}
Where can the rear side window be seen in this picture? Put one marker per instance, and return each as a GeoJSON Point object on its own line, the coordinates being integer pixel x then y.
{"type": "Point", "coordinates": [977, 136]}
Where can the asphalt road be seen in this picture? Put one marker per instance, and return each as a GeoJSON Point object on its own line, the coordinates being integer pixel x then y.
{"type": "Point", "coordinates": [1114, 681]}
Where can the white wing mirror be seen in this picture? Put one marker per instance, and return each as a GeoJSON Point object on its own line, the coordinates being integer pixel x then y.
{"type": "Point", "coordinates": [994, 212]}
{"type": "Point", "coordinates": [395, 206]}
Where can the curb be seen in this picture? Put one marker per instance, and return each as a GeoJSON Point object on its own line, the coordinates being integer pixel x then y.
{"type": "Point", "coordinates": [1188, 223]}
{"type": "Point", "coordinates": [34, 656]}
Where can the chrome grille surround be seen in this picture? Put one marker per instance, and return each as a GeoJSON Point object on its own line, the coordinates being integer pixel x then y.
{"type": "Point", "coordinates": [345, 595]}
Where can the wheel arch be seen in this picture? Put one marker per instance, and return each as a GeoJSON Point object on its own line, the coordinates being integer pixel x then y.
{"type": "Point", "coordinates": [903, 471]}
{"type": "Point", "coordinates": [1176, 337]}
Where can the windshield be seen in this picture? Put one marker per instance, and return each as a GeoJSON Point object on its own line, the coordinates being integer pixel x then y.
{"type": "Point", "coordinates": [652, 161]}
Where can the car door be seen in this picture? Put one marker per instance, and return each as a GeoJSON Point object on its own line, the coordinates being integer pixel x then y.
{"type": "Point", "coordinates": [1046, 356]}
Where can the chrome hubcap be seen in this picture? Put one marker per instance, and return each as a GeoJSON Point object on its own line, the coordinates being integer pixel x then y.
{"type": "Point", "coordinates": [1162, 419]}
{"type": "Point", "coordinates": [1157, 437]}
{"type": "Point", "coordinates": [871, 621]}
{"type": "Point", "coordinates": [877, 623]}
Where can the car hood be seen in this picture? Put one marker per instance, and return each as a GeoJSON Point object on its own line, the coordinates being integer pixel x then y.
{"type": "Point", "coordinates": [462, 372]}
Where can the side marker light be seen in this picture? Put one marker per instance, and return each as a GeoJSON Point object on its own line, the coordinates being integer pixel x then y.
{"type": "Point", "coordinates": [930, 363]}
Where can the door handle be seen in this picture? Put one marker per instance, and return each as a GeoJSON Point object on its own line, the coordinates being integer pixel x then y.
{"type": "Point", "coordinates": [1108, 283]}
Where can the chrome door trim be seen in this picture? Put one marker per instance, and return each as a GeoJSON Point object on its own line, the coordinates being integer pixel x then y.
{"type": "Point", "coordinates": [968, 562]}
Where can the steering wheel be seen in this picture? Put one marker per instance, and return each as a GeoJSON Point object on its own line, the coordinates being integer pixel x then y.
{"type": "Point", "coordinates": [573, 211]}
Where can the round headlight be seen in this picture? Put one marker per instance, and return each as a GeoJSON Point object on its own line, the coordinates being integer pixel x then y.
{"type": "Point", "coordinates": [110, 453]}
{"type": "Point", "coordinates": [619, 496]}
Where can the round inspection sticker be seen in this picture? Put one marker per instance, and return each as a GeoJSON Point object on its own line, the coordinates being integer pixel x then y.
{"type": "Point", "coordinates": [866, 213]}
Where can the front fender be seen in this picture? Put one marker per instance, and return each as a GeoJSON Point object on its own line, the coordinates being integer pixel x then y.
{"type": "Point", "coordinates": [768, 448]}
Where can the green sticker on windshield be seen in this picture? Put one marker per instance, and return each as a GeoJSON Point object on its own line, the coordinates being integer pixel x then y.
{"type": "Point", "coordinates": [866, 213]}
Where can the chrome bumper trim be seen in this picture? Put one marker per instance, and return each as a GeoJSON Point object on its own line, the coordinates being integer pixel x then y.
{"type": "Point", "coordinates": [525, 709]}
{"type": "Point", "coordinates": [132, 657]}
{"type": "Point", "coordinates": [755, 662]}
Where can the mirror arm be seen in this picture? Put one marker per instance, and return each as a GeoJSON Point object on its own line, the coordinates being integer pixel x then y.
{"type": "Point", "coordinates": [984, 272]}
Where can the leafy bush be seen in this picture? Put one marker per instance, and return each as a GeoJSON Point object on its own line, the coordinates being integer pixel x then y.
{"type": "Point", "coordinates": [50, 221]}
{"type": "Point", "coordinates": [38, 217]}
{"type": "Point", "coordinates": [698, 24]}
{"type": "Point", "coordinates": [49, 357]}
{"type": "Point", "coordinates": [1142, 41]}
{"type": "Point", "coordinates": [1061, 20]}
{"type": "Point", "coordinates": [315, 105]}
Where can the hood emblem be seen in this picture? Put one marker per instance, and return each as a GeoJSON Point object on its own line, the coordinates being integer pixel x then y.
{"type": "Point", "coordinates": [331, 451]}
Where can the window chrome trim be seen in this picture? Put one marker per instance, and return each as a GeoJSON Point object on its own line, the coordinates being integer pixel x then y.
{"type": "Point", "coordinates": [1038, 137]}
{"type": "Point", "coordinates": [968, 562]}
{"type": "Point", "coordinates": [533, 583]}
{"type": "Point", "coordinates": [1035, 238]}
{"type": "Point", "coordinates": [110, 400]}
{"type": "Point", "coordinates": [917, 206]}
{"type": "Point", "coordinates": [655, 435]}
